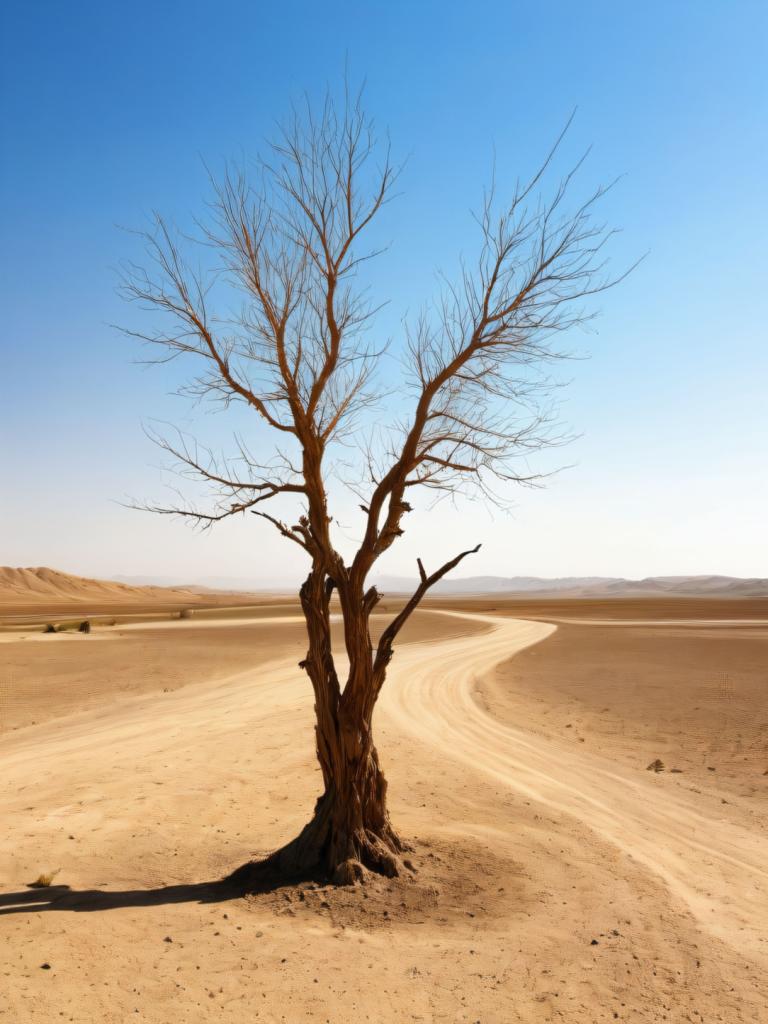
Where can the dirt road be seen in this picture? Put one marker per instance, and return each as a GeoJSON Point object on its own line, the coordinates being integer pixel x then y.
{"type": "Point", "coordinates": [719, 869]}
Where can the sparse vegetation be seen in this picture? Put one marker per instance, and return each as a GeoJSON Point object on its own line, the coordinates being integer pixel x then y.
{"type": "Point", "coordinates": [43, 881]}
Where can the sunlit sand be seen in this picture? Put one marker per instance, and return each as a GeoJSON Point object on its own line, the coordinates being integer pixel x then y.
{"type": "Point", "coordinates": [555, 873]}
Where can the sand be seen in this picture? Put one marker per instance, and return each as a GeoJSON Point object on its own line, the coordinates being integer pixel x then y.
{"type": "Point", "coordinates": [557, 878]}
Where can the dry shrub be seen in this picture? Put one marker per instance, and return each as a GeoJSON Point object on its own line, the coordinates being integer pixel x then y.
{"type": "Point", "coordinates": [44, 880]}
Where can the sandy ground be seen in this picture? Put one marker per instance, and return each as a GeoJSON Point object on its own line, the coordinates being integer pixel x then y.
{"type": "Point", "coordinates": [693, 694]}
{"type": "Point", "coordinates": [45, 676]}
{"type": "Point", "coordinates": [557, 878]}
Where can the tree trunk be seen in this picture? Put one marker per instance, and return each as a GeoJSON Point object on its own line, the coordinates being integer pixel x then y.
{"type": "Point", "coordinates": [350, 830]}
{"type": "Point", "coordinates": [352, 813]}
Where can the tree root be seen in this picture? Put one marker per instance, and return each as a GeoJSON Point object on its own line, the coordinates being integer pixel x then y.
{"type": "Point", "coordinates": [318, 855]}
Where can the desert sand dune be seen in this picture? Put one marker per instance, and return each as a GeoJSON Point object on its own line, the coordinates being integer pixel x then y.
{"type": "Point", "coordinates": [564, 887]}
{"type": "Point", "coordinates": [30, 587]}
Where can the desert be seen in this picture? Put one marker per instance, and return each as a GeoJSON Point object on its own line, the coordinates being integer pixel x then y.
{"type": "Point", "coordinates": [558, 878]}
{"type": "Point", "coordinates": [383, 503]}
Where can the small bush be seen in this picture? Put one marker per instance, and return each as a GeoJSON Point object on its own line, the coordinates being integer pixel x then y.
{"type": "Point", "coordinates": [50, 628]}
{"type": "Point", "coordinates": [84, 627]}
{"type": "Point", "coordinates": [185, 613]}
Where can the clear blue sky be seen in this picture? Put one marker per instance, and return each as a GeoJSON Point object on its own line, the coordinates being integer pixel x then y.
{"type": "Point", "coordinates": [107, 113]}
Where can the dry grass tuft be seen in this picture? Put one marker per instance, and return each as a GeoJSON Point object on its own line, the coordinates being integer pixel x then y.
{"type": "Point", "coordinates": [44, 880]}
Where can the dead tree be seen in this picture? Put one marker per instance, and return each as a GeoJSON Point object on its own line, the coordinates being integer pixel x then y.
{"type": "Point", "coordinates": [296, 355]}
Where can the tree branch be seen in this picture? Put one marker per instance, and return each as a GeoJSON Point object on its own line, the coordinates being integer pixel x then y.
{"type": "Point", "coordinates": [387, 638]}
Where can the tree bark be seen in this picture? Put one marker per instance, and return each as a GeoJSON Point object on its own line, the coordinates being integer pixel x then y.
{"type": "Point", "coordinates": [350, 830]}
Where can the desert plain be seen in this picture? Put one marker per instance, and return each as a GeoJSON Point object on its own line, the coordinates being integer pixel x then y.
{"type": "Point", "coordinates": [557, 876]}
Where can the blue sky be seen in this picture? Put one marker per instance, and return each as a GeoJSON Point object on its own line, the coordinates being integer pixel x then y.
{"type": "Point", "coordinates": [108, 111]}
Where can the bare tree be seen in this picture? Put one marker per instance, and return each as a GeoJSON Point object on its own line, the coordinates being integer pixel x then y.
{"type": "Point", "coordinates": [296, 355]}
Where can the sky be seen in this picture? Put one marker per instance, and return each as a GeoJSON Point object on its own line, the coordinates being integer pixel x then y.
{"type": "Point", "coordinates": [111, 111]}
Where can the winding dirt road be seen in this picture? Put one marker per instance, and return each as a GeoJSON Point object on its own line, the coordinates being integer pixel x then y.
{"type": "Point", "coordinates": [718, 869]}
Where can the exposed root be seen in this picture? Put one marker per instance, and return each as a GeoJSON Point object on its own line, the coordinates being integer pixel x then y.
{"type": "Point", "coordinates": [348, 872]}
{"type": "Point", "coordinates": [318, 854]}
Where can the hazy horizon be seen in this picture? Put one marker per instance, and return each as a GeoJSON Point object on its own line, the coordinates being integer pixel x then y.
{"type": "Point", "coordinates": [455, 579]}
{"type": "Point", "coordinates": [668, 472]}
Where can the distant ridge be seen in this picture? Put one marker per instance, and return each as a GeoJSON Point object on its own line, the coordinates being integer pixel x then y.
{"type": "Point", "coordinates": [213, 584]}
{"type": "Point", "coordinates": [589, 586]}
{"type": "Point", "coordinates": [43, 586]}
{"type": "Point", "coordinates": [528, 586]}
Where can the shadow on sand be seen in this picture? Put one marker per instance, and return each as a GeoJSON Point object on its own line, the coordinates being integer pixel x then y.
{"type": "Point", "coordinates": [62, 897]}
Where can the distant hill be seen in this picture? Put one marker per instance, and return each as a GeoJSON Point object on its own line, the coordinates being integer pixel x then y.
{"type": "Point", "coordinates": [43, 586]}
{"type": "Point", "coordinates": [588, 586]}
{"type": "Point", "coordinates": [212, 584]}
{"type": "Point", "coordinates": [528, 586]}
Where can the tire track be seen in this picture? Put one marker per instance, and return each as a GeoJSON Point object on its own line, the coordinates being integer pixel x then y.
{"type": "Point", "coordinates": [718, 869]}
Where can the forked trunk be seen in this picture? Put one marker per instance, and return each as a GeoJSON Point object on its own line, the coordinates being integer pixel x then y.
{"type": "Point", "coordinates": [350, 830]}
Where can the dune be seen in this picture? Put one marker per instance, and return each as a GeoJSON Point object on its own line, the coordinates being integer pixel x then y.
{"type": "Point", "coordinates": [43, 586]}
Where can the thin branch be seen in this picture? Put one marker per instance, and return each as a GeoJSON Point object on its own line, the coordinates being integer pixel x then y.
{"type": "Point", "coordinates": [387, 638]}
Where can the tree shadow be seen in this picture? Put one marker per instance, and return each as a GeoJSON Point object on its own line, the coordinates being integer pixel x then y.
{"type": "Point", "coordinates": [259, 877]}
{"type": "Point", "coordinates": [62, 897]}
{"type": "Point", "coordinates": [254, 878]}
